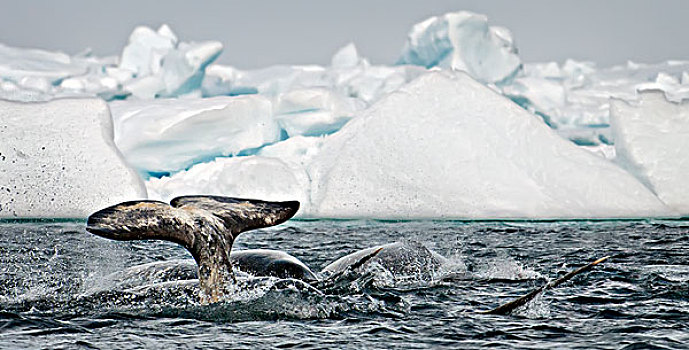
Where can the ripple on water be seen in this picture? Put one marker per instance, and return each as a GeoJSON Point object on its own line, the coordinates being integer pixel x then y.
{"type": "Point", "coordinates": [53, 295]}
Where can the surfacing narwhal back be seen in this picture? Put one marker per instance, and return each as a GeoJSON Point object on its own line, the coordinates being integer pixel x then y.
{"type": "Point", "coordinates": [208, 225]}
{"type": "Point", "coordinates": [205, 225]}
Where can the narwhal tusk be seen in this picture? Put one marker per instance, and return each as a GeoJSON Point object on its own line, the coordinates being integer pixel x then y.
{"type": "Point", "coordinates": [510, 306]}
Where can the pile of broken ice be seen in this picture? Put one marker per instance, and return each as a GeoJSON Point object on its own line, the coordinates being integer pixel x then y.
{"type": "Point", "coordinates": [458, 128]}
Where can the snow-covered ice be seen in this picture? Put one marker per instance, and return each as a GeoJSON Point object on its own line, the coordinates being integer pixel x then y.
{"type": "Point", "coordinates": [502, 139]}
{"type": "Point", "coordinates": [652, 142]}
{"type": "Point", "coordinates": [38, 69]}
{"type": "Point", "coordinates": [168, 135]}
{"type": "Point", "coordinates": [313, 112]}
{"type": "Point", "coordinates": [146, 49]}
{"type": "Point", "coordinates": [447, 146]}
{"type": "Point", "coordinates": [261, 177]}
{"type": "Point", "coordinates": [162, 67]}
{"type": "Point", "coordinates": [277, 172]}
{"type": "Point", "coordinates": [463, 41]}
{"type": "Point", "coordinates": [58, 159]}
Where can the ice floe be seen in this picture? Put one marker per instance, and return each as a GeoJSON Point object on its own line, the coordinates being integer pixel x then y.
{"type": "Point", "coordinates": [162, 67]}
{"type": "Point", "coordinates": [652, 142]}
{"type": "Point", "coordinates": [169, 135]}
{"type": "Point", "coordinates": [37, 69]}
{"type": "Point", "coordinates": [58, 159]}
{"type": "Point", "coordinates": [248, 177]}
{"type": "Point", "coordinates": [463, 41]}
{"type": "Point", "coordinates": [459, 127]}
{"type": "Point", "coordinates": [313, 112]}
{"type": "Point", "coordinates": [447, 146]}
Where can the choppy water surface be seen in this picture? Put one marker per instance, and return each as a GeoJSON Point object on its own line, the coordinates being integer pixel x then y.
{"type": "Point", "coordinates": [55, 293]}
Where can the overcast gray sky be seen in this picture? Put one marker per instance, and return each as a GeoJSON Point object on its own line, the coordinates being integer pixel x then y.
{"type": "Point", "coordinates": [259, 33]}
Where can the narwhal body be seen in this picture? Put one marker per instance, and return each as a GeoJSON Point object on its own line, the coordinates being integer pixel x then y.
{"type": "Point", "coordinates": [208, 225]}
{"type": "Point", "coordinates": [205, 225]}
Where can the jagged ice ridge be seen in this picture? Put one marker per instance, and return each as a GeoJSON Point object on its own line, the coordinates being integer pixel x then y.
{"type": "Point", "coordinates": [459, 127]}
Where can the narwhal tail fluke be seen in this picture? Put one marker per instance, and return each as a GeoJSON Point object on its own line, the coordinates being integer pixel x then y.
{"type": "Point", "coordinates": [512, 305]}
{"type": "Point", "coordinates": [141, 220]}
{"type": "Point", "coordinates": [205, 225]}
{"type": "Point", "coordinates": [238, 214]}
{"type": "Point", "coordinates": [184, 220]}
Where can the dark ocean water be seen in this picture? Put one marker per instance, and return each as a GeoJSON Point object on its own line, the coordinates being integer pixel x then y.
{"type": "Point", "coordinates": [54, 290]}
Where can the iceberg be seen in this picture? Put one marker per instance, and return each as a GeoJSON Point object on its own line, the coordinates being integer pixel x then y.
{"type": "Point", "coordinates": [58, 159]}
{"type": "Point", "coordinates": [274, 80]}
{"type": "Point", "coordinates": [463, 41]}
{"type": "Point", "coordinates": [262, 177]}
{"type": "Point", "coordinates": [674, 89]}
{"type": "Point", "coordinates": [651, 140]}
{"type": "Point", "coordinates": [220, 80]}
{"type": "Point", "coordinates": [38, 75]}
{"type": "Point", "coordinates": [296, 151]}
{"type": "Point", "coordinates": [457, 128]}
{"type": "Point", "coordinates": [156, 64]}
{"type": "Point", "coordinates": [162, 67]}
{"type": "Point", "coordinates": [544, 96]}
{"type": "Point", "coordinates": [144, 53]}
{"type": "Point", "coordinates": [574, 98]}
{"type": "Point", "coordinates": [349, 76]}
{"type": "Point", "coordinates": [13, 92]}
{"type": "Point", "coordinates": [346, 57]}
{"type": "Point", "coordinates": [371, 83]}
{"type": "Point", "coordinates": [43, 68]}
{"type": "Point", "coordinates": [313, 112]}
{"type": "Point", "coordinates": [453, 148]}
{"type": "Point", "coordinates": [276, 172]}
{"type": "Point", "coordinates": [169, 135]}
{"type": "Point", "coordinates": [153, 64]}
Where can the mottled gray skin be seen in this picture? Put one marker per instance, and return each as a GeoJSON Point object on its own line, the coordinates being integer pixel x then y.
{"type": "Point", "coordinates": [205, 225]}
{"type": "Point", "coordinates": [275, 263]}
{"type": "Point", "coordinates": [152, 274]}
{"type": "Point", "coordinates": [408, 258]}
{"type": "Point", "coordinates": [256, 262]}
{"type": "Point", "coordinates": [208, 225]}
